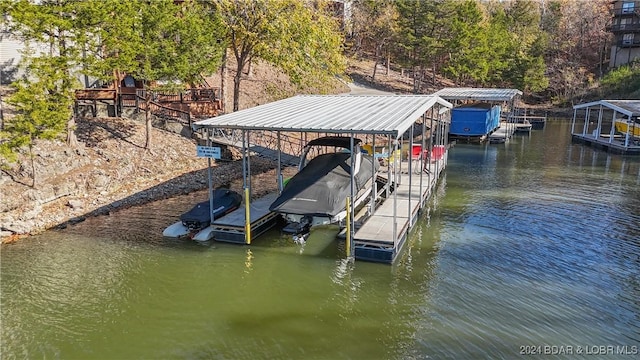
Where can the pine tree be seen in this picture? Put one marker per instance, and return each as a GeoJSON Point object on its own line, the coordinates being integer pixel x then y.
{"type": "Point", "coordinates": [158, 40]}
{"type": "Point", "coordinates": [42, 101]}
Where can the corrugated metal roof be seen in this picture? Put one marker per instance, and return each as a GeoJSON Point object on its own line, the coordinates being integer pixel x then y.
{"type": "Point", "coordinates": [627, 107]}
{"type": "Point", "coordinates": [478, 94]}
{"type": "Point", "coordinates": [372, 114]}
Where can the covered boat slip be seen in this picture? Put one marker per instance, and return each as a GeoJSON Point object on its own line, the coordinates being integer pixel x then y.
{"type": "Point", "coordinates": [387, 125]}
{"type": "Point", "coordinates": [477, 111]}
{"type": "Point", "coordinates": [613, 125]}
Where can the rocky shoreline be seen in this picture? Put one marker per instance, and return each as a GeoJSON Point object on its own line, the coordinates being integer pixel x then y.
{"type": "Point", "coordinates": [105, 174]}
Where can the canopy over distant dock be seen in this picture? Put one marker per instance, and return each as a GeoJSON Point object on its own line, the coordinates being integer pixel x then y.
{"type": "Point", "coordinates": [629, 108]}
{"type": "Point", "coordinates": [613, 125]}
{"type": "Point", "coordinates": [478, 127]}
{"type": "Point", "coordinates": [478, 94]}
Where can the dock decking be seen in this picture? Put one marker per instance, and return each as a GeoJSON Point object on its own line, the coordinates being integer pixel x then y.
{"type": "Point", "coordinates": [231, 227]}
{"type": "Point", "coordinates": [615, 146]}
{"type": "Point", "coordinates": [503, 133]}
{"type": "Point", "coordinates": [374, 240]}
{"type": "Point", "coordinates": [537, 122]}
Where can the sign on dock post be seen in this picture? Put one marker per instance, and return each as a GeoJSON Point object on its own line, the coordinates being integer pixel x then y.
{"type": "Point", "coordinates": [209, 151]}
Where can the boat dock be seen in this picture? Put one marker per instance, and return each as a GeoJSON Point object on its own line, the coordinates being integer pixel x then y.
{"type": "Point", "coordinates": [537, 122]}
{"type": "Point", "coordinates": [608, 124]}
{"type": "Point", "coordinates": [483, 128]}
{"type": "Point", "coordinates": [524, 115]}
{"type": "Point", "coordinates": [385, 124]}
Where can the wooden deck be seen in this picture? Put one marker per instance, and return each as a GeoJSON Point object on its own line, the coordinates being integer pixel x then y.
{"type": "Point", "coordinates": [374, 240]}
{"type": "Point", "coordinates": [537, 122]}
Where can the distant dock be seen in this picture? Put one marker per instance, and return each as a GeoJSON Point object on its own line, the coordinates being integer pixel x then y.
{"type": "Point", "coordinates": [479, 126]}
{"type": "Point", "coordinates": [598, 124]}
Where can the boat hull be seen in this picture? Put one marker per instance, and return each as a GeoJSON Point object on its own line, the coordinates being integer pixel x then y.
{"type": "Point", "coordinates": [199, 217]}
{"type": "Point", "coordinates": [176, 230]}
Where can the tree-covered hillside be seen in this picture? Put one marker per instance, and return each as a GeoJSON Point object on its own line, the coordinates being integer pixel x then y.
{"type": "Point", "coordinates": [556, 51]}
{"type": "Point", "coordinates": [553, 50]}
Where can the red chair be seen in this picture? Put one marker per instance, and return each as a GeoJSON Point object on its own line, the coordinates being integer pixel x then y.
{"type": "Point", "coordinates": [438, 152]}
{"type": "Point", "coordinates": [417, 153]}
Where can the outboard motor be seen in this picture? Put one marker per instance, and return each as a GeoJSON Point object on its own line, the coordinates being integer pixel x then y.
{"type": "Point", "coordinates": [299, 230]}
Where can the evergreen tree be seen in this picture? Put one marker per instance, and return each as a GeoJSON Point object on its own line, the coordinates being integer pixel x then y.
{"type": "Point", "coordinates": [500, 44]}
{"type": "Point", "coordinates": [42, 101]}
{"type": "Point", "coordinates": [60, 25]}
{"type": "Point", "coordinates": [467, 44]}
{"type": "Point", "coordinates": [422, 31]}
{"type": "Point", "coordinates": [526, 68]}
{"type": "Point", "coordinates": [175, 43]}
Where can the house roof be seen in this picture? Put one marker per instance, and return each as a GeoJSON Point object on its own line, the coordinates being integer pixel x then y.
{"type": "Point", "coordinates": [358, 114]}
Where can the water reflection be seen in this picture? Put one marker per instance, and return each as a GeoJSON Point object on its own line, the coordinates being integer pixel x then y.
{"type": "Point", "coordinates": [526, 243]}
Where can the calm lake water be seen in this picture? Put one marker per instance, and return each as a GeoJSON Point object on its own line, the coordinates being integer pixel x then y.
{"type": "Point", "coordinates": [528, 247]}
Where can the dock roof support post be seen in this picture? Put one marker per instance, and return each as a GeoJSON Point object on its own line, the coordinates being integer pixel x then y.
{"type": "Point", "coordinates": [422, 159]}
{"type": "Point", "coordinates": [626, 138]}
{"type": "Point", "coordinates": [395, 193]}
{"type": "Point", "coordinates": [246, 175]}
{"type": "Point", "coordinates": [573, 121]}
{"type": "Point", "coordinates": [410, 168]}
{"type": "Point", "coordinates": [244, 160]}
{"type": "Point", "coordinates": [598, 128]}
{"type": "Point", "coordinates": [352, 211]}
{"type": "Point", "coordinates": [441, 136]}
{"type": "Point", "coordinates": [279, 170]}
{"type": "Point", "coordinates": [389, 152]}
{"type": "Point", "coordinates": [586, 121]}
{"type": "Point", "coordinates": [374, 189]}
{"type": "Point", "coordinates": [210, 180]}
{"type": "Point", "coordinates": [613, 126]}
{"type": "Point", "coordinates": [248, 163]}
{"type": "Point", "coordinates": [431, 144]}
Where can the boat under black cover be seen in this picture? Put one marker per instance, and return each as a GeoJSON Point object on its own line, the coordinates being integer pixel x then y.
{"type": "Point", "coordinates": [322, 186]}
{"type": "Point", "coordinates": [224, 201]}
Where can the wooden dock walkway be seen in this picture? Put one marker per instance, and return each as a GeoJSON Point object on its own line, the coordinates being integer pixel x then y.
{"type": "Point", "coordinates": [502, 134]}
{"type": "Point", "coordinates": [374, 239]}
{"type": "Point", "coordinates": [537, 122]}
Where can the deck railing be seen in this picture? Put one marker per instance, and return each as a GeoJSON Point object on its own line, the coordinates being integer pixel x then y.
{"type": "Point", "coordinates": [160, 110]}
{"type": "Point", "coordinates": [624, 27]}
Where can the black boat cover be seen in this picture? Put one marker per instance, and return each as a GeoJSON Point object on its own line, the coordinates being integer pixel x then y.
{"type": "Point", "coordinates": [224, 201]}
{"type": "Point", "coordinates": [323, 185]}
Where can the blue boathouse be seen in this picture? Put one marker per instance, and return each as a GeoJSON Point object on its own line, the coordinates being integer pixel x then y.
{"type": "Point", "coordinates": [476, 119]}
